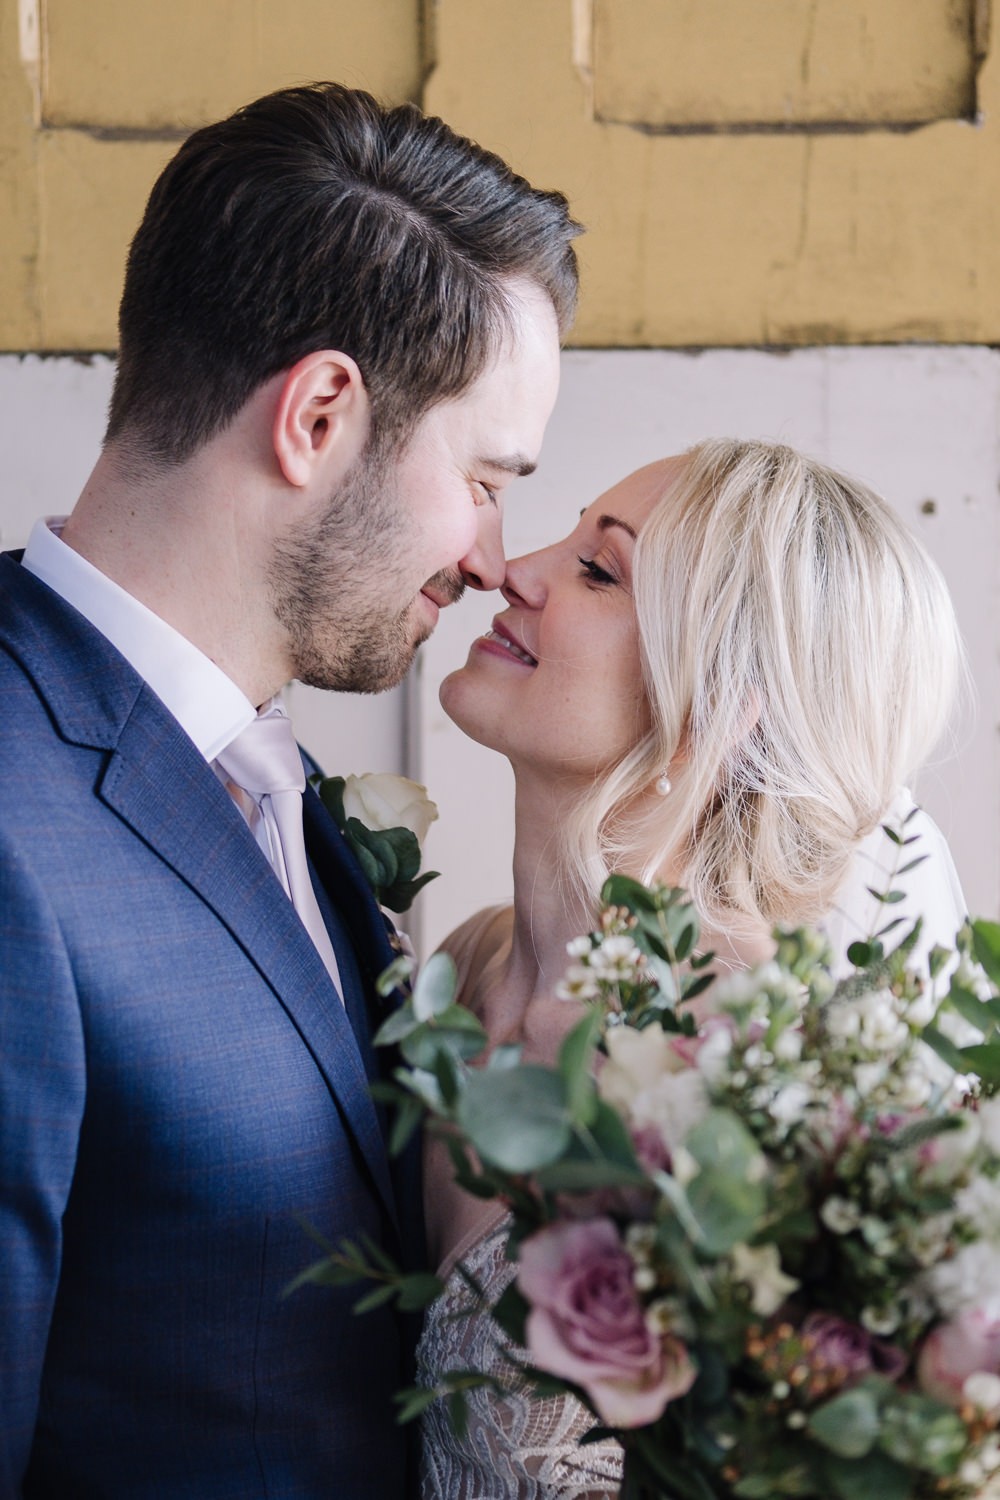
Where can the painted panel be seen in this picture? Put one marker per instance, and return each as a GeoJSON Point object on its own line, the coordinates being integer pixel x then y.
{"type": "Point", "coordinates": [115, 65]}
{"type": "Point", "coordinates": [717, 64]}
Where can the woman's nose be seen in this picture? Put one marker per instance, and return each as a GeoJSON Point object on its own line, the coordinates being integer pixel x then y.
{"type": "Point", "coordinates": [525, 582]}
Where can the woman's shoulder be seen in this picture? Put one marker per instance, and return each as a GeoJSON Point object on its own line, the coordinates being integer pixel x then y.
{"type": "Point", "coordinates": [477, 941]}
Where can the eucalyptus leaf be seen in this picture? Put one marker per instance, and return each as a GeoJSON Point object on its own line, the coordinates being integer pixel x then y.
{"type": "Point", "coordinates": [982, 1014]}
{"type": "Point", "coordinates": [945, 1048]}
{"type": "Point", "coordinates": [576, 1057]}
{"type": "Point", "coordinates": [874, 1477]}
{"type": "Point", "coordinates": [434, 990]}
{"type": "Point", "coordinates": [394, 977]}
{"type": "Point", "coordinates": [518, 1120]}
{"type": "Point", "coordinates": [986, 947]}
{"type": "Point", "coordinates": [395, 1027]}
{"type": "Point", "coordinates": [848, 1425]}
{"type": "Point", "coordinates": [983, 1060]}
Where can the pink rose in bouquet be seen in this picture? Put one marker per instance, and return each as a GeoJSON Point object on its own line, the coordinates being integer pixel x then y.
{"type": "Point", "coordinates": [951, 1352]}
{"type": "Point", "coordinates": [848, 1351]}
{"type": "Point", "coordinates": [588, 1325]}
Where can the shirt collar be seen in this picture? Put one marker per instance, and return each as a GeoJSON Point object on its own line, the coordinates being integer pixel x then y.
{"type": "Point", "coordinates": [207, 704]}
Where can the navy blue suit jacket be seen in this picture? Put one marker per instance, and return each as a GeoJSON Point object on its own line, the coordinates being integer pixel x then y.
{"type": "Point", "coordinates": [179, 1088]}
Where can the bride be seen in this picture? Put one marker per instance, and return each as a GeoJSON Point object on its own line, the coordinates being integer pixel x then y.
{"type": "Point", "coordinates": [722, 679]}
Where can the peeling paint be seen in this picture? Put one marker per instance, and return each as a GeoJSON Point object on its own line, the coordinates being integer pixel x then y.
{"type": "Point", "coordinates": [29, 33]}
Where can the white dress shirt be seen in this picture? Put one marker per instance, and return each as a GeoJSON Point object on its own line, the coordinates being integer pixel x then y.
{"type": "Point", "coordinates": [207, 704]}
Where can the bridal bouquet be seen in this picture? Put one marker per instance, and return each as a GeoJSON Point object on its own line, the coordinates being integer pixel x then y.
{"type": "Point", "coordinates": [762, 1246]}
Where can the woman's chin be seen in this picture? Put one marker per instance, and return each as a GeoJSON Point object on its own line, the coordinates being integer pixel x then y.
{"type": "Point", "coordinates": [460, 695]}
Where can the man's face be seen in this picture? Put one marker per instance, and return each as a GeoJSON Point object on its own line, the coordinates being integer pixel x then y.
{"type": "Point", "coordinates": [360, 587]}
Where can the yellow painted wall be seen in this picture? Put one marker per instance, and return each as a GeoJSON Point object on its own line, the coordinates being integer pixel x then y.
{"type": "Point", "coordinates": [750, 171]}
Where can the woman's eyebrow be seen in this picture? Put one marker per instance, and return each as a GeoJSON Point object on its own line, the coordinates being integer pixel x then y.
{"type": "Point", "coordinates": [604, 523]}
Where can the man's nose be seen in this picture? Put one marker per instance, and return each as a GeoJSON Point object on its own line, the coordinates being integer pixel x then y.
{"type": "Point", "coordinates": [484, 565]}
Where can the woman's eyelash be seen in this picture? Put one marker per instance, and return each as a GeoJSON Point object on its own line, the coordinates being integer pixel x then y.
{"type": "Point", "coordinates": [595, 572]}
{"type": "Point", "coordinates": [491, 495]}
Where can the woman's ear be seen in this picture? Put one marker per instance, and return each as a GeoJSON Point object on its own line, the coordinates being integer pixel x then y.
{"type": "Point", "coordinates": [322, 418]}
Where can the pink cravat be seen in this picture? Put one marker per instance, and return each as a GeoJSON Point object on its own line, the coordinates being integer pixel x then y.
{"type": "Point", "coordinates": [263, 761]}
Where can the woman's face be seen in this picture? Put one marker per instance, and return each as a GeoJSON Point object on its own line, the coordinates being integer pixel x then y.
{"type": "Point", "coordinates": [557, 683]}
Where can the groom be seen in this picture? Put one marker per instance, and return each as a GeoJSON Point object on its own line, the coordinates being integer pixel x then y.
{"type": "Point", "coordinates": [339, 343]}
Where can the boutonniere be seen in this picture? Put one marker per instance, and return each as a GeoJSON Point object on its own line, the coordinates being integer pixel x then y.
{"type": "Point", "coordinates": [385, 819]}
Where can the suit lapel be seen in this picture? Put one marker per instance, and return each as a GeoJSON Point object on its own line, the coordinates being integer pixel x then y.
{"type": "Point", "coordinates": [156, 770]}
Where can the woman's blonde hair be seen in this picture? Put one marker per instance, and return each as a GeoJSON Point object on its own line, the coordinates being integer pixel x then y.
{"type": "Point", "coordinates": [801, 657]}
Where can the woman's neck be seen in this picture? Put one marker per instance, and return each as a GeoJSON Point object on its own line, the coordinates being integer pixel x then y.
{"type": "Point", "coordinates": [546, 914]}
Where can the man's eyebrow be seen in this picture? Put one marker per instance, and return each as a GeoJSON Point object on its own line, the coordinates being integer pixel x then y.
{"type": "Point", "coordinates": [514, 463]}
{"type": "Point", "coordinates": [604, 523]}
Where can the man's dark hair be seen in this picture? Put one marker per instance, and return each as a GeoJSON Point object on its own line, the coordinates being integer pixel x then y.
{"type": "Point", "coordinates": [317, 218]}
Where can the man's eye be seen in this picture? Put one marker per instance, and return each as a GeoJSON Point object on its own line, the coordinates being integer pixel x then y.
{"type": "Point", "coordinates": [594, 572]}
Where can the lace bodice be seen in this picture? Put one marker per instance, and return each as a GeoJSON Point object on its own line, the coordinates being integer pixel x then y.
{"type": "Point", "coordinates": [515, 1448]}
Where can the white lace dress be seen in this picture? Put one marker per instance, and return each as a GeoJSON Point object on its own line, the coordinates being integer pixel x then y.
{"type": "Point", "coordinates": [514, 1448]}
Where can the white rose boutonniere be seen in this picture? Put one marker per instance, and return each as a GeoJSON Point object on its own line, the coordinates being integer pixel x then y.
{"type": "Point", "coordinates": [385, 819]}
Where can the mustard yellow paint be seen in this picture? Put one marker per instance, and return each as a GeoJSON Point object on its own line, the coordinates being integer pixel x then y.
{"type": "Point", "coordinates": [681, 63]}
{"type": "Point", "coordinates": [731, 239]}
{"type": "Point", "coordinates": [18, 192]}
{"type": "Point", "coordinates": [121, 65]}
{"type": "Point", "coordinates": [694, 238]}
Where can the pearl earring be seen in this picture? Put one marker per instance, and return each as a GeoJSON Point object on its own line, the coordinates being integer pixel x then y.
{"type": "Point", "coordinates": [664, 785]}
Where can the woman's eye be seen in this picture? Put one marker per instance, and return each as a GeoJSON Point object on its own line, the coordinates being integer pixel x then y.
{"type": "Point", "coordinates": [594, 572]}
{"type": "Point", "coordinates": [491, 495]}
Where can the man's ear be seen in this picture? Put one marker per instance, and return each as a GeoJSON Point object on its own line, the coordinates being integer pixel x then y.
{"type": "Point", "coordinates": [321, 418]}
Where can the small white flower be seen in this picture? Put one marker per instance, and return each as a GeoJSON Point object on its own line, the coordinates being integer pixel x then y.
{"type": "Point", "coordinates": [684, 1166]}
{"type": "Point", "coordinates": [843, 1022]}
{"type": "Point", "coordinates": [644, 1278]}
{"type": "Point", "coordinates": [876, 1231]}
{"type": "Point", "coordinates": [913, 1089]}
{"type": "Point", "coordinates": [868, 1077]}
{"type": "Point", "coordinates": [713, 1055]}
{"type": "Point", "coordinates": [578, 983]}
{"type": "Point", "coordinates": [989, 1453]}
{"type": "Point", "coordinates": [979, 1202]}
{"type": "Point", "coordinates": [759, 1266]}
{"type": "Point", "coordinates": [929, 1238]}
{"type": "Point", "coordinates": [788, 1046]}
{"type": "Point", "coordinates": [982, 1389]}
{"type": "Point", "coordinates": [790, 1103]}
{"type": "Point", "coordinates": [882, 1029]}
{"type": "Point", "coordinates": [989, 1124]}
{"type": "Point", "coordinates": [639, 1242]}
{"type": "Point", "coordinates": [882, 1321]}
{"type": "Point", "coordinates": [579, 947]}
{"type": "Point", "coordinates": [840, 1215]}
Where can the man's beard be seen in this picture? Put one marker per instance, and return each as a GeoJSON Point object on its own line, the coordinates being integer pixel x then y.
{"type": "Point", "coordinates": [325, 585]}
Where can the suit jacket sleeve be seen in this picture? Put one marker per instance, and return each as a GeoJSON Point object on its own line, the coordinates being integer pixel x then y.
{"type": "Point", "coordinates": [41, 1105]}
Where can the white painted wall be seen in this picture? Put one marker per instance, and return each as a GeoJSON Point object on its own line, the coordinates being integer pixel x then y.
{"type": "Point", "coordinates": [919, 423]}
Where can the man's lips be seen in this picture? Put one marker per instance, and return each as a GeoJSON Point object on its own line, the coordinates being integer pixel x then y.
{"type": "Point", "coordinates": [500, 642]}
